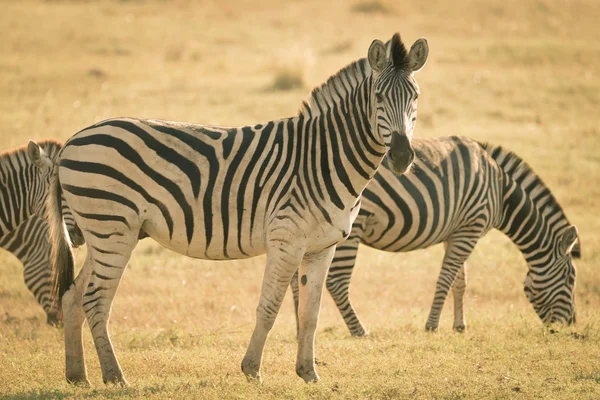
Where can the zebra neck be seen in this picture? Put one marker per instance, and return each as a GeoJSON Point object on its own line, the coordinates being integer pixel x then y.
{"type": "Point", "coordinates": [343, 147]}
{"type": "Point", "coordinates": [526, 222]}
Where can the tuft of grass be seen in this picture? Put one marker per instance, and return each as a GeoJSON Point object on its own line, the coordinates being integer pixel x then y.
{"type": "Point", "coordinates": [371, 7]}
{"type": "Point", "coordinates": [287, 79]}
{"type": "Point", "coordinates": [338, 48]}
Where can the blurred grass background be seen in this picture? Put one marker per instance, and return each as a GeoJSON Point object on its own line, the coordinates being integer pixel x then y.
{"type": "Point", "coordinates": [523, 74]}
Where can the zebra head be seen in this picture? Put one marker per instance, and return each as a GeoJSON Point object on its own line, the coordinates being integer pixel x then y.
{"type": "Point", "coordinates": [394, 94]}
{"type": "Point", "coordinates": [552, 293]}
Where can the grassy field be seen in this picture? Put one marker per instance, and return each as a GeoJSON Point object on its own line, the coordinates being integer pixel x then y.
{"type": "Point", "coordinates": [523, 74]}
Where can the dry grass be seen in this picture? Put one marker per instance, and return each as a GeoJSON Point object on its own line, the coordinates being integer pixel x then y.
{"type": "Point", "coordinates": [520, 74]}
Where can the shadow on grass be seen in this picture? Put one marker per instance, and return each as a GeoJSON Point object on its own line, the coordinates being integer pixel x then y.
{"type": "Point", "coordinates": [105, 393]}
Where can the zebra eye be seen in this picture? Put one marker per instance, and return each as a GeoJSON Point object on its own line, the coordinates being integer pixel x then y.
{"type": "Point", "coordinates": [379, 97]}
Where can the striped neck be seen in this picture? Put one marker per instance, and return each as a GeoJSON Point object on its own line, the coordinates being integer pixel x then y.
{"type": "Point", "coordinates": [337, 126]}
{"type": "Point", "coordinates": [24, 186]}
{"type": "Point", "coordinates": [533, 220]}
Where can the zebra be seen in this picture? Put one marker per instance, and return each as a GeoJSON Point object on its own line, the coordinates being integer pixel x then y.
{"type": "Point", "coordinates": [457, 191]}
{"type": "Point", "coordinates": [289, 188]}
{"type": "Point", "coordinates": [23, 230]}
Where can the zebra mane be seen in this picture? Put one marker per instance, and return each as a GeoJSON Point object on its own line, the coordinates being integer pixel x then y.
{"type": "Point", "coordinates": [518, 170]}
{"type": "Point", "coordinates": [335, 89]}
{"type": "Point", "coordinates": [50, 146]}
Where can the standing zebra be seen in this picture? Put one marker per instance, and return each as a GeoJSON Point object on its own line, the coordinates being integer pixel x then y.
{"type": "Point", "coordinates": [23, 231]}
{"type": "Point", "coordinates": [289, 188]}
{"type": "Point", "coordinates": [456, 192]}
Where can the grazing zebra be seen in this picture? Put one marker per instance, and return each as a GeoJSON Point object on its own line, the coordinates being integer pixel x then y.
{"type": "Point", "coordinates": [456, 192]}
{"type": "Point", "coordinates": [23, 231]}
{"type": "Point", "coordinates": [289, 188]}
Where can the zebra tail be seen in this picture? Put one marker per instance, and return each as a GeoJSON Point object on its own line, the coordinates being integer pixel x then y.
{"type": "Point", "coordinates": [63, 265]}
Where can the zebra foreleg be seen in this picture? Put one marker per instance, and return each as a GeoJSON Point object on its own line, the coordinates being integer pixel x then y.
{"type": "Point", "coordinates": [73, 318]}
{"type": "Point", "coordinates": [282, 262]}
{"type": "Point", "coordinates": [457, 252]}
{"type": "Point", "coordinates": [458, 291]}
{"type": "Point", "coordinates": [312, 273]}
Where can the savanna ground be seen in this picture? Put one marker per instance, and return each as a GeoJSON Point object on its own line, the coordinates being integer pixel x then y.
{"type": "Point", "coordinates": [523, 74]}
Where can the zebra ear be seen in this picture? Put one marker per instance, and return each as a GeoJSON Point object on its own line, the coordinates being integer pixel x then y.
{"type": "Point", "coordinates": [38, 156]}
{"type": "Point", "coordinates": [377, 56]}
{"type": "Point", "coordinates": [576, 250]}
{"type": "Point", "coordinates": [568, 240]}
{"type": "Point", "coordinates": [418, 55]}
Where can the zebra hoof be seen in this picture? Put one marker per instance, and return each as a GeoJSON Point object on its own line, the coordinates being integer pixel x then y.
{"type": "Point", "coordinates": [308, 374]}
{"type": "Point", "coordinates": [252, 371]}
{"type": "Point", "coordinates": [359, 332]}
{"type": "Point", "coordinates": [116, 379]}
{"type": "Point", "coordinates": [460, 328]}
{"type": "Point", "coordinates": [431, 328]}
{"type": "Point", "coordinates": [79, 380]}
{"type": "Point", "coordinates": [52, 319]}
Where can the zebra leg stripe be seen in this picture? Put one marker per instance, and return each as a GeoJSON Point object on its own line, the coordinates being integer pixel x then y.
{"type": "Point", "coordinates": [457, 252]}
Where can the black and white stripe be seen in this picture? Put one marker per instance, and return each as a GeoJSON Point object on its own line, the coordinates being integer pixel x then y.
{"type": "Point", "coordinates": [23, 230]}
{"type": "Point", "coordinates": [457, 191]}
{"type": "Point", "coordinates": [289, 188]}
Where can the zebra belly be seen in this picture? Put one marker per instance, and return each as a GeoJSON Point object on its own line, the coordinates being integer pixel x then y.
{"type": "Point", "coordinates": [217, 249]}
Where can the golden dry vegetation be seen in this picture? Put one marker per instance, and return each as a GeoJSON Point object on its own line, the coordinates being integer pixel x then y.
{"type": "Point", "coordinates": [519, 73]}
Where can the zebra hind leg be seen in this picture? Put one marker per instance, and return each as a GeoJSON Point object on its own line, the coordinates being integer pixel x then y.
{"type": "Point", "coordinates": [457, 251]}
{"type": "Point", "coordinates": [108, 259]}
{"type": "Point", "coordinates": [73, 318]}
{"type": "Point", "coordinates": [458, 292]}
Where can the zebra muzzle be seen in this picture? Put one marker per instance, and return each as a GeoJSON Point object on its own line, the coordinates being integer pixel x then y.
{"type": "Point", "coordinates": [401, 153]}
